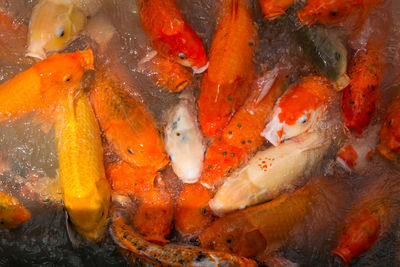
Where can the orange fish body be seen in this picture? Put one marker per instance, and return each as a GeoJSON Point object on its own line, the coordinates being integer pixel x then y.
{"type": "Point", "coordinates": [168, 74]}
{"type": "Point", "coordinates": [242, 134]}
{"type": "Point", "coordinates": [126, 123]}
{"type": "Point", "coordinates": [361, 97]}
{"type": "Point", "coordinates": [170, 34]}
{"type": "Point", "coordinates": [12, 214]}
{"type": "Point", "coordinates": [225, 85]}
{"type": "Point", "coordinates": [41, 86]}
{"type": "Point", "coordinates": [299, 109]}
{"type": "Point", "coordinates": [274, 8]}
{"type": "Point", "coordinates": [332, 11]}
{"type": "Point", "coordinates": [154, 214]}
{"type": "Point", "coordinates": [368, 220]}
{"type": "Point", "coordinates": [266, 227]}
{"type": "Point", "coordinates": [225, 153]}
{"type": "Point", "coordinates": [192, 212]}
{"type": "Point", "coordinates": [390, 132]}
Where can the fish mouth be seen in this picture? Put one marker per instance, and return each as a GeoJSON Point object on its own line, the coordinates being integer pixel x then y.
{"type": "Point", "coordinates": [38, 53]}
{"type": "Point", "coordinates": [271, 131]}
{"type": "Point", "coordinates": [197, 70]}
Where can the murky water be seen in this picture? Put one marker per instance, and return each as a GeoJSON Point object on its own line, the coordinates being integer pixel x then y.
{"type": "Point", "coordinates": [43, 241]}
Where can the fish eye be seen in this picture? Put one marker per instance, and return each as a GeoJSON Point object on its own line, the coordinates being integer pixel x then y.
{"type": "Point", "coordinates": [303, 119]}
{"type": "Point", "coordinates": [337, 56]}
{"type": "Point", "coordinates": [130, 151]}
{"type": "Point", "coordinates": [181, 55]}
{"type": "Point", "coordinates": [60, 32]}
{"type": "Point", "coordinates": [67, 78]}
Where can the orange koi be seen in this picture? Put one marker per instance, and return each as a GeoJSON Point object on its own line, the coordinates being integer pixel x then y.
{"type": "Point", "coordinates": [356, 153]}
{"type": "Point", "coordinates": [261, 230]}
{"type": "Point", "coordinates": [48, 80]}
{"type": "Point", "coordinates": [167, 255]}
{"type": "Point", "coordinates": [12, 214]}
{"type": "Point", "coordinates": [192, 212]}
{"type": "Point", "coordinates": [171, 35]}
{"type": "Point", "coordinates": [361, 97]}
{"type": "Point", "coordinates": [126, 123]}
{"type": "Point", "coordinates": [168, 74]}
{"type": "Point", "coordinates": [242, 134]}
{"type": "Point", "coordinates": [227, 151]}
{"type": "Point", "coordinates": [367, 221]}
{"type": "Point", "coordinates": [298, 110]}
{"type": "Point", "coordinates": [274, 8]}
{"type": "Point", "coordinates": [225, 85]}
{"type": "Point", "coordinates": [390, 132]}
{"type": "Point", "coordinates": [332, 11]}
{"type": "Point", "coordinates": [154, 214]}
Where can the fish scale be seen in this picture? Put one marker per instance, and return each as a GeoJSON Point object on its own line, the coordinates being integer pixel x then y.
{"type": "Point", "coordinates": [86, 192]}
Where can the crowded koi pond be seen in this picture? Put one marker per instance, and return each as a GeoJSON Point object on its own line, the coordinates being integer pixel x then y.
{"type": "Point", "coordinates": [199, 133]}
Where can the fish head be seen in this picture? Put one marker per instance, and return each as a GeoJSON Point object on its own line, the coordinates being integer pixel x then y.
{"type": "Point", "coordinates": [298, 110]}
{"type": "Point", "coordinates": [53, 25]}
{"type": "Point", "coordinates": [64, 70]}
{"type": "Point", "coordinates": [276, 131]}
{"type": "Point", "coordinates": [89, 216]}
{"type": "Point", "coordinates": [234, 236]}
{"type": "Point", "coordinates": [390, 137]}
{"type": "Point", "coordinates": [184, 48]}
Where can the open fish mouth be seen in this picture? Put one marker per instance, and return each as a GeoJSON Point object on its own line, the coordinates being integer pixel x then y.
{"type": "Point", "coordinates": [201, 69]}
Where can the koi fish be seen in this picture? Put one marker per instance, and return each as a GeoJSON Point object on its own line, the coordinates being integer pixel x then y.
{"type": "Point", "coordinates": [271, 172]}
{"type": "Point", "coordinates": [332, 11]}
{"type": "Point", "coordinates": [227, 151]}
{"type": "Point", "coordinates": [12, 214]}
{"type": "Point", "coordinates": [166, 73]}
{"type": "Point", "coordinates": [154, 214]}
{"type": "Point", "coordinates": [171, 35]}
{"type": "Point", "coordinates": [86, 192]}
{"type": "Point", "coordinates": [192, 213]}
{"type": "Point", "coordinates": [242, 134]}
{"type": "Point", "coordinates": [48, 81]}
{"type": "Point", "coordinates": [390, 132]}
{"type": "Point", "coordinates": [53, 25]}
{"type": "Point", "coordinates": [356, 153]}
{"type": "Point", "coordinates": [261, 230]}
{"type": "Point", "coordinates": [368, 219]}
{"type": "Point", "coordinates": [184, 140]}
{"type": "Point", "coordinates": [299, 109]}
{"type": "Point", "coordinates": [274, 8]}
{"type": "Point", "coordinates": [126, 123]}
{"type": "Point", "coordinates": [360, 99]}
{"type": "Point", "coordinates": [225, 85]}
{"type": "Point", "coordinates": [325, 51]}
{"type": "Point", "coordinates": [170, 255]}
